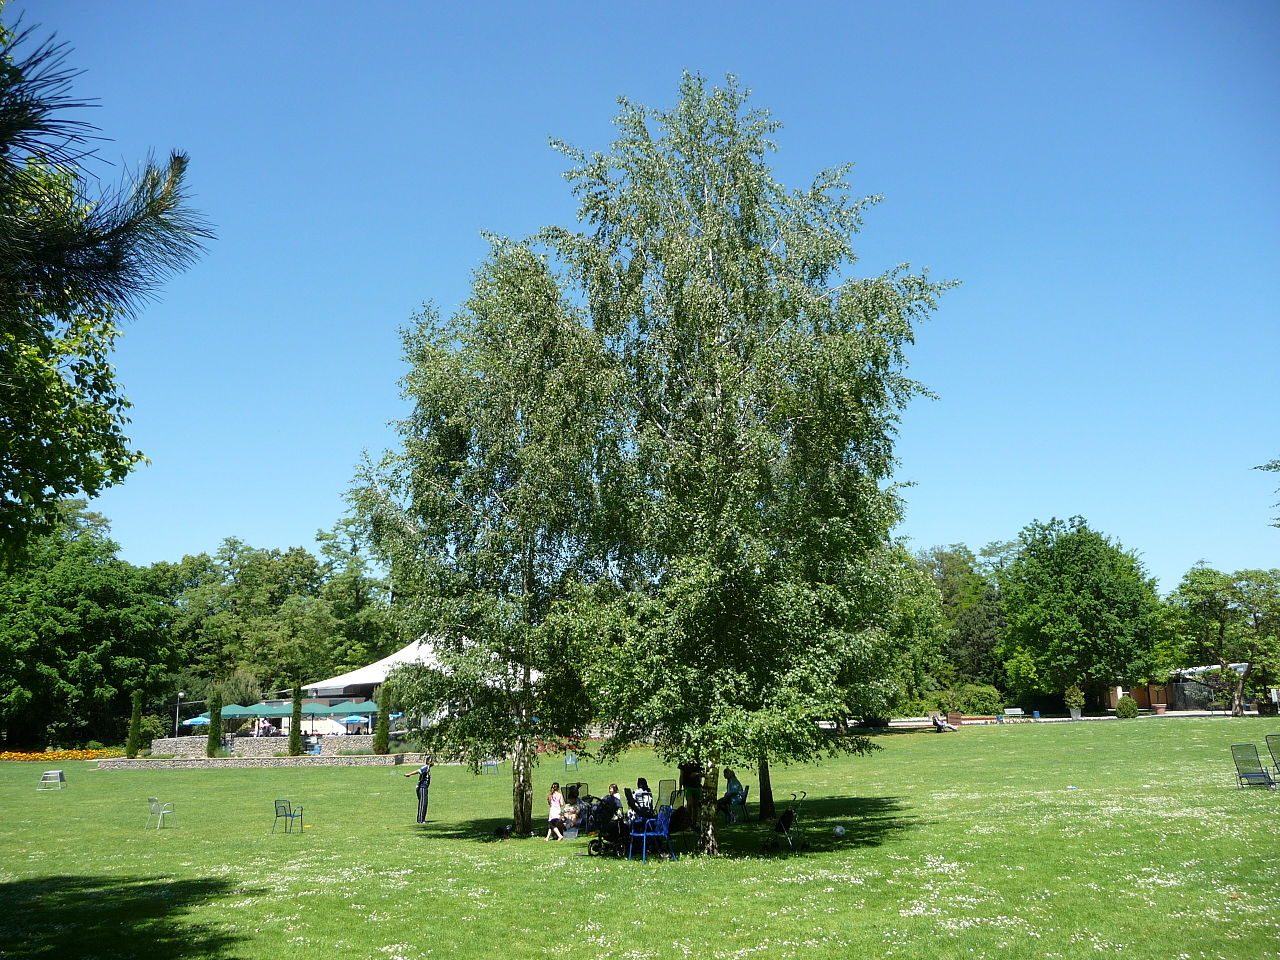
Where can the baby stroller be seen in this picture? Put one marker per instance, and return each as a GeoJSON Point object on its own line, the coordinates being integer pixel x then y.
{"type": "Point", "coordinates": [604, 819]}
{"type": "Point", "coordinates": [789, 827]}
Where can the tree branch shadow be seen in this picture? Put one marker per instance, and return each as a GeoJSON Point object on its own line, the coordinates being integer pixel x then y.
{"type": "Point", "coordinates": [136, 916]}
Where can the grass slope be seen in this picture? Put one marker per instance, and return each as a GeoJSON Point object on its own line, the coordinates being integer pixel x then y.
{"type": "Point", "coordinates": [1034, 840]}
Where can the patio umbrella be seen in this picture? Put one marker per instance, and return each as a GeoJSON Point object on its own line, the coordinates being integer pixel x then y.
{"type": "Point", "coordinates": [355, 719]}
{"type": "Point", "coordinates": [235, 710]}
{"type": "Point", "coordinates": [196, 722]}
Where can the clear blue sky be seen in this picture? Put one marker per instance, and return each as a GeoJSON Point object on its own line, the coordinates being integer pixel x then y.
{"type": "Point", "coordinates": [1101, 176]}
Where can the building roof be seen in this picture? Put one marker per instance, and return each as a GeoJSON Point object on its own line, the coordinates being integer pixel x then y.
{"type": "Point", "coordinates": [363, 680]}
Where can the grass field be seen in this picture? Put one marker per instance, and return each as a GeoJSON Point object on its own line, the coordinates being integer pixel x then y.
{"type": "Point", "coordinates": [1034, 840]}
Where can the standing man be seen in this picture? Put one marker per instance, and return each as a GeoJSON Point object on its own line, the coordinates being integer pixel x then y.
{"type": "Point", "coordinates": [424, 784]}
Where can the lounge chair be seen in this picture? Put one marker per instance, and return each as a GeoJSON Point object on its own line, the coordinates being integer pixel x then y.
{"type": "Point", "coordinates": [1273, 746]}
{"type": "Point", "coordinates": [1249, 769]}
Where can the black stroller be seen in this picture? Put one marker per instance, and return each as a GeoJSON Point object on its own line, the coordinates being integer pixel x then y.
{"type": "Point", "coordinates": [603, 817]}
{"type": "Point", "coordinates": [789, 827]}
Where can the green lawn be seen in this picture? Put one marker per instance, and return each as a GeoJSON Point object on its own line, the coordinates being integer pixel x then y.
{"type": "Point", "coordinates": [1032, 840]}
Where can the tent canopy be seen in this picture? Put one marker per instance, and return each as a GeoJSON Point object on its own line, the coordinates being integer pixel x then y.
{"type": "Point", "coordinates": [361, 682]}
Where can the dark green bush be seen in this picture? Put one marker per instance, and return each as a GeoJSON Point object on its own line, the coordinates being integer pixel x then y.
{"type": "Point", "coordinates": [1126, 708]}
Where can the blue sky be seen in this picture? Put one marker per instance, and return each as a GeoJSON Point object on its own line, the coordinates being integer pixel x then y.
{"type": "Point", "coordinates": [1101, 176]}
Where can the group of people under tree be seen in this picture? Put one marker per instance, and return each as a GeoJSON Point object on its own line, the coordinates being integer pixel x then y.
{"type": "Point", "coordinates": [564, 812]}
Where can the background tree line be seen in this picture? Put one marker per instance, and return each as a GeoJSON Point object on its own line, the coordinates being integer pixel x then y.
{"type": "Point", "coordinates": [1064, 605]}
{"type": "Point", "coordinates": [80, 629]}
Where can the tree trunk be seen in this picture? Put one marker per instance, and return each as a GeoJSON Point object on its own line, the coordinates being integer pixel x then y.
{"type": "Point", "coordinates": [707, 842]}
{"type": "Point", "coordinates": [522, 789]}
{"type": "Point", "coordinates": [767, 810]}
{"type": "Point", "coordinates": [1237, 692]}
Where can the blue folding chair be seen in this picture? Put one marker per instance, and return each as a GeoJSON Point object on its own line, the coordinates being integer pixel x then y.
{"type": "Point", "coordinates": [287, 812]}
{"type": "Point", "coordinates": [658, 828]}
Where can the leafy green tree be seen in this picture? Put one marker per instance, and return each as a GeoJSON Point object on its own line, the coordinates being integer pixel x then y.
{"type": "Point", "coordinates": [359, 600]}
{"type": "Point", "coordinates": [752, 441]}
{"type": "Point", "coordinates": [485, 518]}
{"type": "Point", "coordinates": [133, 743]}
{"type": "Point", "coordinates": [69, 262]}
{"type": "Point", "coordinates": [1225, 619]}
{"type": "Point", "coordinates": [1081, 610]}
{"type": "Point", "coordinates": [253, 610]}
{"type": "Point", "coordinates": [973, 613]}
{"type": "Point", "coordinates": [79, 631]}
{"type": "Point", "coordinates": [241, 687]}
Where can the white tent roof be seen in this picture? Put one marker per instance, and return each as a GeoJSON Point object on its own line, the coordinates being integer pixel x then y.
{"type": "Point", "coordinates": [420, 651]}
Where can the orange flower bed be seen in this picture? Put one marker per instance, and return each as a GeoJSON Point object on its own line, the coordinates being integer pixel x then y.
{"type": "Point", "coordinates": [50, 755]}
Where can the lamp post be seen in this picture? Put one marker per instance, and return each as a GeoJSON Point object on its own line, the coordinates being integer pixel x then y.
{"type": "Point", "coordinates": [177, 707]}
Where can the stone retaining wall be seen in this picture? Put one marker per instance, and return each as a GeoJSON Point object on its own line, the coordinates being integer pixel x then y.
{"type": "Point", "coordinates": [224, 763]}
{"type": "Point", "coordinates": [194, 747]}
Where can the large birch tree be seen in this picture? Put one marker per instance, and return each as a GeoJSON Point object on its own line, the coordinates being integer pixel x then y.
{"type": "Point", "coordinates": [486, 515]}
{"type": "Point", "coordinates": [763, 387]}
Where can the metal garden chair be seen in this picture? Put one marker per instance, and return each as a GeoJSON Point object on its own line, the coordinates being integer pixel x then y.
{"type": "Point", "coordinates": [656, 829]}
{"type": "Point", "coordinates": [1249, 768]}
{"type": "Point", "coordinates": [738, 807]}
{"type": "Point", "coordinates": [287, 812]}
{"type": "Point", "coordinates": [1273, 747]}
{"type": "Point", "coordinates": [666, 792]}
{"type": "Point", "coordinates": [158, 810]}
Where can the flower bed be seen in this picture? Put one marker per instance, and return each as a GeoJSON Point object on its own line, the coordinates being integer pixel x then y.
{"type": "Point", "coordinates": [52, 755]}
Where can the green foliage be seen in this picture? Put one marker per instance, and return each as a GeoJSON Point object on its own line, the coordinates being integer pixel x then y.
{"type": "Point", "coordinates": [258, 616]}
{"type": "Point", "coordinates": [153, 728]}
{"type": "Point", "coordinates": [382, 732]}
{"type": "Point", "coordinates": [674, 456]}
{"type": "Point", "coordinates": [974, 621]}
{"type": "Point", "coordinates": [214, 743]}
{"type": "Point", "coordinates": [133, 743]}
{"type": "Point", "coordinates": [753, 589]}
{"type": "Point", "coordinates": [1080, 610]}
{"type": "Point", "coordinates": [1074, 698]}
{"type": "Point", "coordinates": [1223, 619]}
{"type": "Point", "coordinates": [68, 262]}
{"type": "Point", "coordinates": [485, 517]}
{"type": "Point", "coordinates": [1126, 708]}
{"type": "Point", "coordinates": [972, 699]}
{"type": "Point", "coordinates": [79, 631]}
{"type": "Point", "coordinates": [241, 687]}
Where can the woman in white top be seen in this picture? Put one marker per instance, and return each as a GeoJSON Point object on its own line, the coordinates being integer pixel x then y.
{"type": "Point", "coordinates": [556, 803]}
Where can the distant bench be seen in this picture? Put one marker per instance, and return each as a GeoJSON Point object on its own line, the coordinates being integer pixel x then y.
{"type": "Point", "coordinates": [1014, 713]}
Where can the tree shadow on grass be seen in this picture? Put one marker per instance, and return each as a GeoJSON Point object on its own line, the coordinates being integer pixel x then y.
{"type": "Point", "coordinates": [867, 822]}
{"type": "Point", "coordinates": [105, 917]}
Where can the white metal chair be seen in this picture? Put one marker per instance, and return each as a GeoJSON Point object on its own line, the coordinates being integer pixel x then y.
{"type": "Point", "coordinates": [158, 810]}
{"type": "Point", "coordinates": [51, 780]}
